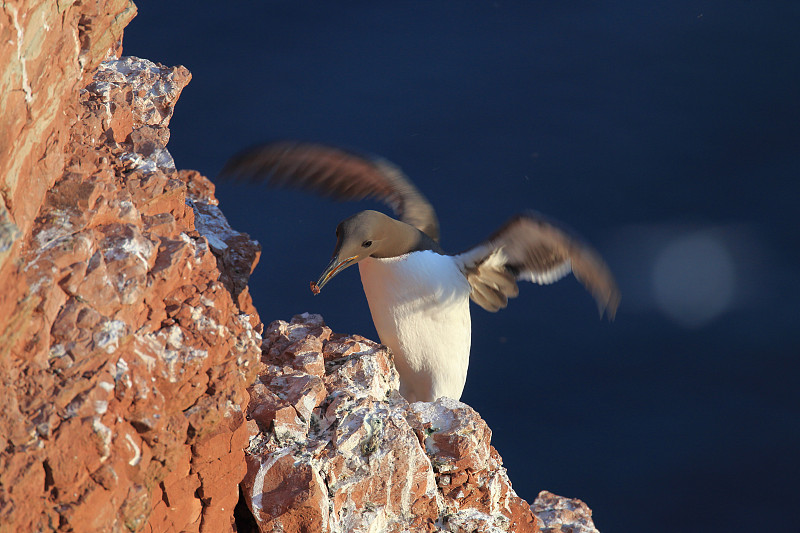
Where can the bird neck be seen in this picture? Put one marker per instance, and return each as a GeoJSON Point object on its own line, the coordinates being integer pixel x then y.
{"type": "Point", "coordinates": [402, 239]}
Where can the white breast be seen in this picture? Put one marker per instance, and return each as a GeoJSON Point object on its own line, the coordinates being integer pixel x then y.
{"type": "Point", "coordinates": [420, 307]}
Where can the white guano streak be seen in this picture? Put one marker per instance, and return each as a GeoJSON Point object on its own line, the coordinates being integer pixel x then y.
{"type": "Point", "coordinates": [26, 86]}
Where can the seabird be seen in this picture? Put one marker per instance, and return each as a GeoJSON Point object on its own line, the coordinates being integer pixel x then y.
{"type": "Point", "coordinates": [418, 294]}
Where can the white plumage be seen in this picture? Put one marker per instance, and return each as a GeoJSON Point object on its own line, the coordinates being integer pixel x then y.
{"type": "Point", "coordinates": [420, 306]}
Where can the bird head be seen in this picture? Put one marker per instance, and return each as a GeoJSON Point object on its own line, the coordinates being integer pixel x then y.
{"type": "Point", "coordinates": [360, 236]}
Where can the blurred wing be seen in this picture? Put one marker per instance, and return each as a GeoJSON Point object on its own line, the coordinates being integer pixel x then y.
{"type": "Point", "coordinates": [336, 173]}
{"type": "Point", "coordinates": [529, 247]}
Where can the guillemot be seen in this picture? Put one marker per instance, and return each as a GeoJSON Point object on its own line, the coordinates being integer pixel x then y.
{"type": "Point", "coordinates": [419, 295]}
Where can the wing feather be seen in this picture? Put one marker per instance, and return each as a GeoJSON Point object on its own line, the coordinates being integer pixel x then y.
{"type": "Point", "coordinates": [337, 173]}
{"type": "Point", "coordinates": [532, 248]}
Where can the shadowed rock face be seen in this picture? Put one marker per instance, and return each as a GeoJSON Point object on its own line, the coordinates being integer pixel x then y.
{"type": "Point", "coordinates": [128, 338]}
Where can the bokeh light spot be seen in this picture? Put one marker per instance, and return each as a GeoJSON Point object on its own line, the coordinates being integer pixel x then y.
{"type": "Point", "coordinates": [693, 279]}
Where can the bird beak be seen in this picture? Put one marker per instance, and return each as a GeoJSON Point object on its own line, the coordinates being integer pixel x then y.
{"type": "Point", "coordinates": [334, 268]}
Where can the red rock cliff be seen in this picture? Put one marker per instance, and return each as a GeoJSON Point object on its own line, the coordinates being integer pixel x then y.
{"type": "Point", "coordinates": [127, 338]}
{"type": "Point", "coordinates": [130, 352]}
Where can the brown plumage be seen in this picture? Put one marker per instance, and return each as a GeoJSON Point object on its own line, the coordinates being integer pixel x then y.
{"type": "Point", "coordinates": [337, 173]}
{"type": "Point", "coordinates": [530, 247]}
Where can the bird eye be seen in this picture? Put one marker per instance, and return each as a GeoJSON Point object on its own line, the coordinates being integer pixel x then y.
{"type": "Point", "coordinates": [366, 244]}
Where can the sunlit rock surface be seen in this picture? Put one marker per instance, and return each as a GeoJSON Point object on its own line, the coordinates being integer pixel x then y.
{"type": "Point", "coordinates": [128, 338]}
{"type": "Point", "coordinates": [48, 52]}
{"type": "Point", "coordinates": [563, 515]}
{"type": "Point", "coordinates": [334, 447]}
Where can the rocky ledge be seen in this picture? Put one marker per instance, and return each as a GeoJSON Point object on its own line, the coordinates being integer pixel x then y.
{"type": "Point", "coordinates": [138, 394]}
{"type": "Point", "coordinates": [335, 448]}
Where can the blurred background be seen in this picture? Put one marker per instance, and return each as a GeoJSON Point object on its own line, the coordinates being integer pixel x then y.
{"type": "Point", "coordinates": [666, 133]}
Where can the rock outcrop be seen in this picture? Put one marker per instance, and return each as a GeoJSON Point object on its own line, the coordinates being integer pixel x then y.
{"type": "Point", "coordinates": [562, 515]}
{"type": "Point", "coordinates": [137, 393]}
{"type": "Point", "coordinates": [48, 51]}
{"type": "Point", "coordinates": [127, 335]}
{"type": "Point", "coordinates": [335, 447]}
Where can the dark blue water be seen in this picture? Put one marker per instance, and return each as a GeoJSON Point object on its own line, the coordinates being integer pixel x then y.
{"type": "Point", "coordinates": [667, 134]}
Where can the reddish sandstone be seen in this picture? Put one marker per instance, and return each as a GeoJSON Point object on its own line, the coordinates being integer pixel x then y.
{"type": "Point", "coordinates": [121, 301]}
{"type": "Point", "coordinates": [356, 455]}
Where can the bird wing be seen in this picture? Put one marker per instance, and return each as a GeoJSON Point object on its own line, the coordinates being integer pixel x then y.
{"type": "Point", "coordinates": [529, 247]}
{"type": "Point", "coordinates": [337, 173]}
